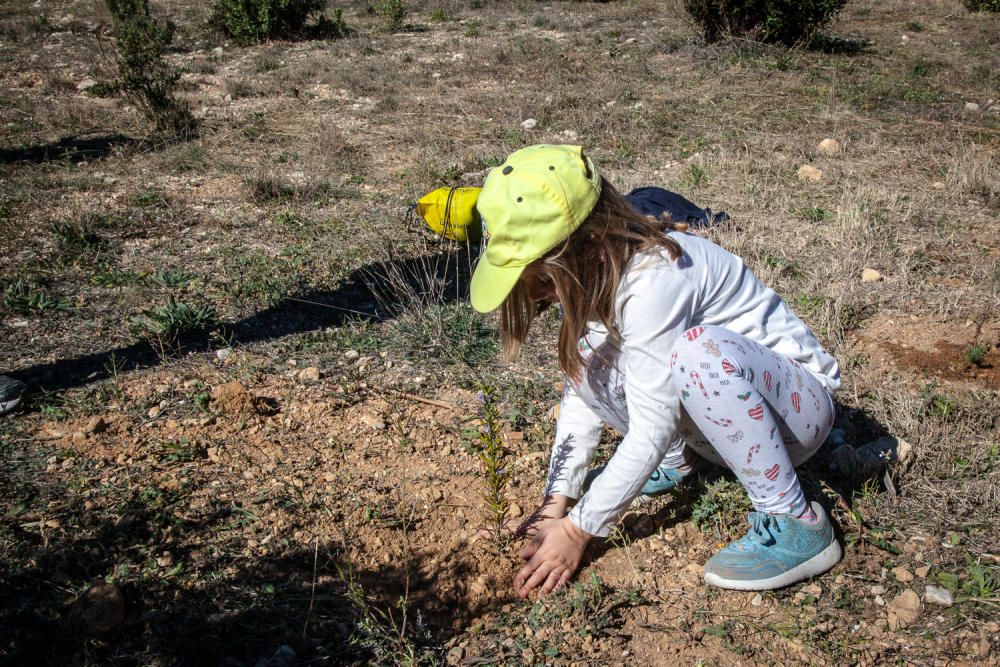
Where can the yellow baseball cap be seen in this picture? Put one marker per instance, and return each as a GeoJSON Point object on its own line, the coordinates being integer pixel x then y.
{"type": "Point", "coordinates": [529, 205]}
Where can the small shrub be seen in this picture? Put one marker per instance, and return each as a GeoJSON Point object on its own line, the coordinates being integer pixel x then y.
{"type": "Point", "coordinates": [76, 238]}
{"type": "Point", "coordinates": [26, 298]}
{"type": "Point", "coordinates": [392, 12]}
{"type": "Point", "coordinates": [976, 354]}
{"type": "Point", "coordinates": [982, 5]}
{"type": "Point", "coordinates": [145, 78]}
{"type": "Point", "coordinates": [251, 21]}
{"type": "Point", "coordinates": [781, 21]}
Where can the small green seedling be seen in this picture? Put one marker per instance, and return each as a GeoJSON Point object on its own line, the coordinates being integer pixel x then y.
{"type": "Point", "coordinates": [494, 457]}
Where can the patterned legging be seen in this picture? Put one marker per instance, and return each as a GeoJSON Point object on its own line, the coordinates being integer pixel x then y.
{"type": "Point", "coordinates": [752, 410]}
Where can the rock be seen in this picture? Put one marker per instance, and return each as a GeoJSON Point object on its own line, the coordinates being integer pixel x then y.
{"type": "Point", "coordinates": [902, 575]}
{"type": "Point", "coordinates": [554, 412]}
{"type": "Point", "coordinates": [879, 600]}
{"type": "Point", "coordinates": [812, 589]}
{"type": "Point", "coordinates": [514, 511]}
{"type": "Point", "coordinates": [154, 412]}
{"type": "Point", "coordinates": [223, 354]}
{"type": "Point", "coordinates": [529, 124]}
{"type": "Point", "coordinates": [86, 84]}
{"type": "Point", "coordinates": [938, 185]}
{"type": "Point", "coordinates": [757, 600]}
{"type": "Point", "coordinates": [923, 571]}
{"type": "Point", "coordinates": [878, 590]}
{"type": "Point", "coordinates": [101, 609]}
{"type": "Point", "coordinates": [571, 135]}
{"type": "Point", "coordinates": [807, 172]}
{"type": "Point", "coordinates": [373, 423]}
{"type": "Point", "coordinates": [213, 454]}
{"type": "Point", "coordinates": [971, 106]}
{"type": "Point", "coordinates": [309, 375]}
{"type": "Point", "coordinates": [95, 425]}
{"type": "Point", "coordinates": [904, 609]}
{"type": "Point", "coordinates": [939, 596]}
{"type": "Point", "coordinates": [455, 655]}
{"type": "Point", "coordinates": [828, 147]}
{"type": "Point", "coordinates": [514, 438]}
{"type": "Point", "coordinates": [870, 276]}
{"type": "Point", "coordinates": [351, 355]}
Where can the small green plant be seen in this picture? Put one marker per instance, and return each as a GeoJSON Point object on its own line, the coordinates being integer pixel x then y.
{"type": "Point", "coordinates": [440, 14]}
{"type": "Point", "coordinates": [167, 325]}
{"type": "Point", "coordinates": [251, 21]}
{"type": "Point", "coordinates": [775, 21]}
{"type": "Point", "coordinates": [976, 355]}
{"type": "Point", "coordinates": [171, 278]}
{"type": "Point", "coordinates": [144, 77]}
{"type": "Point", "coordinates": [393, 12]}
{"type": "Point", "coordinates": [941, 407]}
{"type": "Point", "coordinates": [720, 509]}
{"type": "Point", "coordinates": [496, 466]}
{"type": "Point", "coordinates": [26, 298]}
{"type": "Point", "coordinates": [114, 277]}
{"type": "Point", "coordinates": [815, 214]}
{"type": "Point", "coordinates": [77, 238]}
{"type": "Point", "coordinates": [982, 5]}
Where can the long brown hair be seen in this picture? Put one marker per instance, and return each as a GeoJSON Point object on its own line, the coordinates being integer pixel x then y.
{"type": "Point", "coordinates": [585, 272]}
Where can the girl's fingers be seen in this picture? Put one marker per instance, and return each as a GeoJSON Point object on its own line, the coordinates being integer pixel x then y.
{"type": "Point", "coordinates": [529, 550]}
{"type": "Point", "coordinates": [554, 581]}
{"type": "Point", "coordinates": [537, 578]}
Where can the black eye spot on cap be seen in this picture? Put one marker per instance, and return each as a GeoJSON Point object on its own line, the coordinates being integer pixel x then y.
{"type": "Point", "coordinates": [520, 199]}
{"type": "Point", "coordinates": [551, 168]}
{"type": "Point", "coordinates": [507, 170]}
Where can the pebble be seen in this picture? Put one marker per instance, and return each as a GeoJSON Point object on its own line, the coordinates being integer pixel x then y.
{"type": "Point", "coordinates": [923, 571]}
{"type": "Point", "coordinates": [96, 425]}
{"type": "Point", "coordinates": [86, 84]}
{"type": "Point", "coordinates": [870, 276]}
{"type": "Point", "coordinates": [878, 590]}
{"type": "Point", "coordinates": [971, 106]}
{"type": "Point", "coordinates": [374, 423]}
{"type": "Point", "coordinates": [807, 172]}
{"type": "Point", "coordinates": [154, 412]}
{"type": "Point", "coordinates": [829, 147]}
{"type": "Point", "coordinates": [939, 596]}
{"type": "Point", "coordinates": [757, 600]}
{"type": "Point", "coordinates": [902, 575]}
{"type": "Point", "coordinates": [514, 511]}
{"type": "Point", "coordinates": [223, 353]}
{"type": "Point", "coordinates": [455, 655]}
{"type": "Point", "coordinates": [351, 355]}
{"type": "Point", "coordinates": [904, 609]}
{"type": "Point", "coordinates": [309, 375]}
{"type": "Point", "coordinates": [938, 185]}
{"type": "Point", "coordinates": [529, 124]}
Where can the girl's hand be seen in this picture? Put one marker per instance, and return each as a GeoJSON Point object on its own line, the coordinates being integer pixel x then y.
{"type": "Point", "coordinates": [553, 556]}
{"type": "Point", "coordinates": [552, 508]}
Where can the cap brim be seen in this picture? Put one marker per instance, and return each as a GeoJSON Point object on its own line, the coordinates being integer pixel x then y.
{"type": "Point", "coordinates": [491, 284]}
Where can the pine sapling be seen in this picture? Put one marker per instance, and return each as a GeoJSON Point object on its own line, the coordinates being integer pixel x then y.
{"type": "Point", "coordinates": [494, 457]}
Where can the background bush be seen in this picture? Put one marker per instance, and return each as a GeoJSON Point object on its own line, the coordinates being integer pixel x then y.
{"type": "Point", "coordinates": [250, 21]}
{"type": "Point", "coordinates": [783, 21]}
{"type": "Point", "coordinates": [145, 78]}
{"type": "Point", "coordinates": [982, 5]}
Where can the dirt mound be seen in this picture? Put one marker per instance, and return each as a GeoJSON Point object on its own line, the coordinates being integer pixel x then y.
{"type": "Point", "coordinates": [233, 398]}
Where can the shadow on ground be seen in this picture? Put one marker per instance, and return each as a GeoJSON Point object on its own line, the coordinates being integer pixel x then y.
{"type": "Point", "coordinates": [207, 606]}
{"type": "Point", "coordinates": [376, 292]}
{"type": "Point", "coordinates": [72, 149]}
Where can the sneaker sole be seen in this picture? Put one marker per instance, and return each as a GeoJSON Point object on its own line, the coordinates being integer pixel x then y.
{"type": "Point", "coordinates": [7, 406]}
{"type": "Point", "coordinates": [816, 565]}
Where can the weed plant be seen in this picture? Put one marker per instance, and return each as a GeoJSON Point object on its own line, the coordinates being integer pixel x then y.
{"type": "Point", "coordinates": [145, 78]}
{"type": "Point", "coordinates": [166, 326]}
{"type": "Point", "coordinates": [494, 457]}
{"type": "Point", "coordinates": [720, 509]}
{"type": "Point", "coordinates": [393, 12]}
{"type": "Point", "coordinates": [27, 298]}
{"type": "Point", "coordinates": [976, 355]}
{"type": "Point", "coordinates": [982, 5]}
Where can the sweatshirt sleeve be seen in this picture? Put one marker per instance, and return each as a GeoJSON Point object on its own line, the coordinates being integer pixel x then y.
{"type": "Point", "coordinates": [578, 431]}
{"type": "Point", "coordinates": [655, 305]}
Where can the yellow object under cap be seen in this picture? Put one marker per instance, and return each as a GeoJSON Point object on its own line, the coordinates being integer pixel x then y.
{"type": "Point", "coordinates": [451, 212]}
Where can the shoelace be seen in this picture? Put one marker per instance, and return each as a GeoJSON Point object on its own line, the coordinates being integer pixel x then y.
{"type": "Point", "coordinates": [762, 527]}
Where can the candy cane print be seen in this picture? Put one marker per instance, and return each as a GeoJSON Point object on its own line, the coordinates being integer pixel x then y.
{"type": "Point", "coordinates": [723, 422]}
{"type": "Point", "coordinates": [673, 358]}
{"type": "Point", "coordinates": [697, 380]}
{"type": "Point", "coordinates": [754, 449]}
{"type": "Point", "coordinates": [692, 334]}
{"type": "Point", "coordinates": [796, 401]}
{"type": "Point", "coordinates": [767, 380]}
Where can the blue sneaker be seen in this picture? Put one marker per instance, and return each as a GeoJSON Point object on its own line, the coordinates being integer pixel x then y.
{"type": "Point", "coordinates": [10, 393]}
{"type": "Point", "coordinates": [777, 551]}
{"type": "Point", "coordinates": [662, 480]}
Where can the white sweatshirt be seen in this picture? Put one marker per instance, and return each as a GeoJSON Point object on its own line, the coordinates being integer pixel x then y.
{"type": "Point", "coordinates": [658, 299]}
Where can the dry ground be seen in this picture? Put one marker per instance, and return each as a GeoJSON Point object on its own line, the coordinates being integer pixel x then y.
{"type": "Point", "coordinates": [300, 484]}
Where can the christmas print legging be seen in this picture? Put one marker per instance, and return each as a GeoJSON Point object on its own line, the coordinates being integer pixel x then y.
{"type": "Point", "coordinates": [752, 410]}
